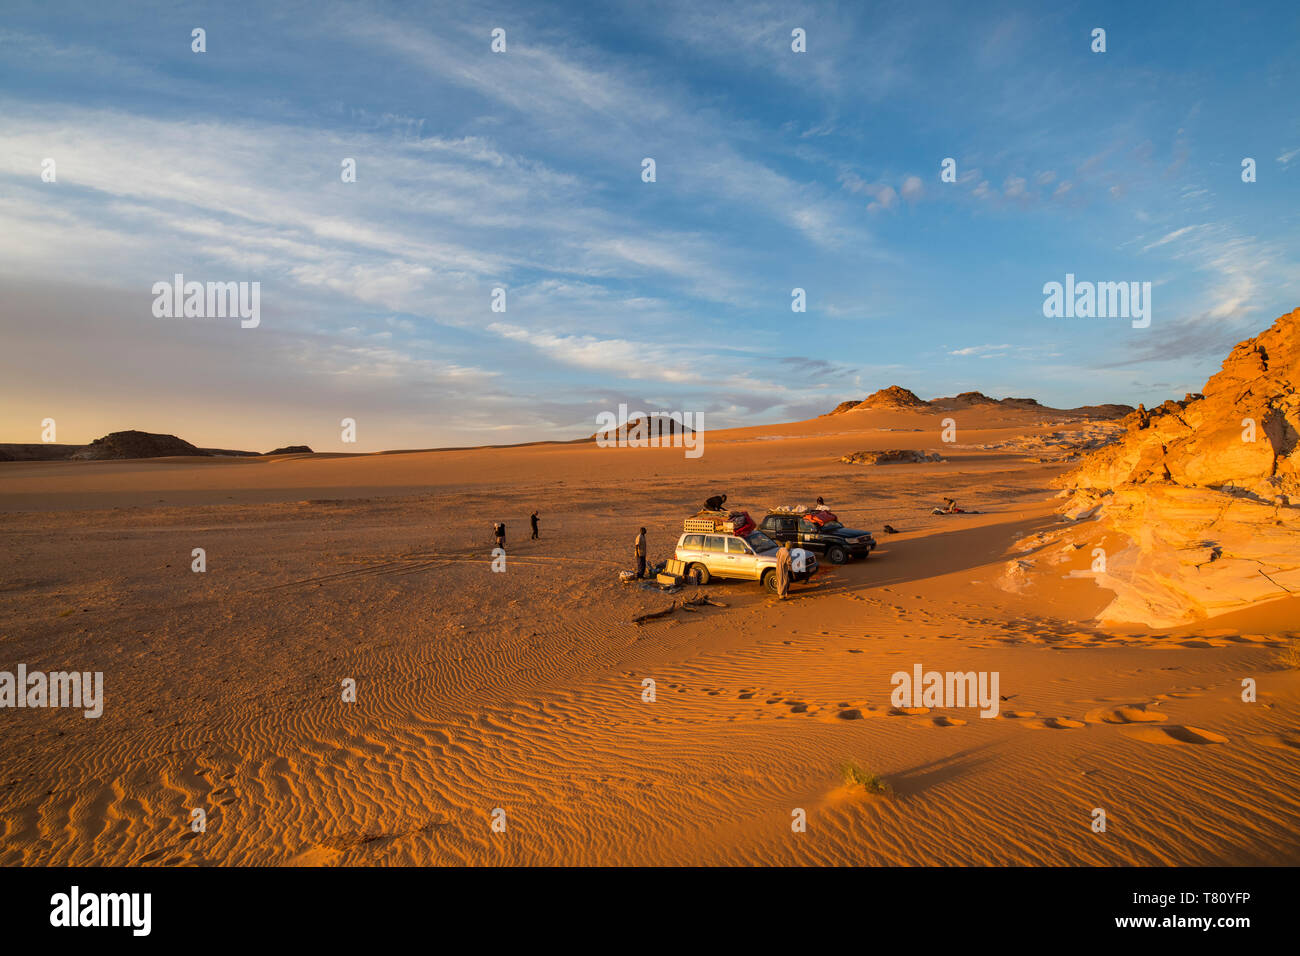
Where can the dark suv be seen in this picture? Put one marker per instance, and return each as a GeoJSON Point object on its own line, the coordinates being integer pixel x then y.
{"type": "Point", "coordinates": [834, 540]}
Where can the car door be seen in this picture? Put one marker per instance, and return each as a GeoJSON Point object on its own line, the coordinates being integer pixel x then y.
{"type": "Point", "coordinates": [715, 554]}
{"type": "Point", "coordinates": [740, 558]}
{"type": "Point", "coordinates": [810, 536]}
{"type": "Point", "coordinates": [785, 529]}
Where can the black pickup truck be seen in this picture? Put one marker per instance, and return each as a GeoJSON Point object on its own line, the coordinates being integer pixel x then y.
{"type": "Point", "coordinates": [832, 539]}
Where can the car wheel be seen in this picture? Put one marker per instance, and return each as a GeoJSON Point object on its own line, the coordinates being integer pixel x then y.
{"type": "Point", "coordinates": [701, 572]}
{"type": "Point", "coordinates": [836, 555]}
{"type": "Point", "coordinates": [769, 581]}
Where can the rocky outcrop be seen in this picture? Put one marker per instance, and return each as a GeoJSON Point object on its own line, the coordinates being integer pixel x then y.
{"type": "Point", "coordinates": [1204, 492]}
{"type": "Point", "coordinates": [843, 407]}
{"type": "Point", "coordinates": [895, 396]}
{"type": "Point", "coordinates": [292, 450]}
{"type": "Point", "coordinates": [893, 456]}
{"type": "Point", "coordinates": [1239, 433]}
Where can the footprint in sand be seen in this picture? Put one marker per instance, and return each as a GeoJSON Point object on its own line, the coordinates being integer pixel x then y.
{"type": "Point", "coordinates": [947, 721]}
{"type": "Point", "coordinates": [1132, 714]}
{"type": "Point", "coordinates": [1017, 714]}
{"type": "Point", "coordinates": [1054, 723]}
{"type": "Point", "coordinates": [1064, 723]}
{"type": "Point", "coordinates": [908, 711]}
{"type": "Point", "coordinates": [1174, 735]}
{"type": "Point", "coordinates": [857, 710]}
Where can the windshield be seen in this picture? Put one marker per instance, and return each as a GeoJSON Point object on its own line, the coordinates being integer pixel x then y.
{"type": "Point", "coordinates": [832, 526]}
{"type": "Point", "coordinates": [761, 543]}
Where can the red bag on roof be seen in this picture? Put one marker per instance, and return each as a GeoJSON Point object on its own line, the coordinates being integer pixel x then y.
{"type": "Point", "coordinates": [741, 523]}
{"type": "Point", "coordinates": [819, 518]}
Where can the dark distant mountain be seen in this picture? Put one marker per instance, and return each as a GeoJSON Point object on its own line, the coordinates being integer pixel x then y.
{"type": "Point", "coordinates": [123, 446]}
{"type": "Point", "coordinates": [897, 397]}
{"type": "Point", "coordinates": [132, 444]}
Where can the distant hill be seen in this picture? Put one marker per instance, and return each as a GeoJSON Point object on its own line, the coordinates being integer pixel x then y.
{"type": "Point", "coordinates": [657, 424]}
{"type": "Point", "coordinates": [133, 444]}
{"type": "Point", "coordinates": [127, 445]}
{"type": "Point", "coordinates": [897, 397]}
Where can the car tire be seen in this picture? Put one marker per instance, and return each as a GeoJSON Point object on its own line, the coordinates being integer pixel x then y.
{"type": "Point", "coordinates": [769, 581]}
{"type": "Point", "coordinates": [836, 554]}
{"type": "Point", "coordinates": [700, 571]}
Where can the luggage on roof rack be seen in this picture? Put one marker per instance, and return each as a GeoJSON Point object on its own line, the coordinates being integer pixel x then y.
{"type": "Point", "coordinates": [720, 522]}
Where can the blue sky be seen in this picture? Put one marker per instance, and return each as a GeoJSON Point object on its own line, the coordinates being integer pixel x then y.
{"type": "Point", "coordinates": [775, 170]}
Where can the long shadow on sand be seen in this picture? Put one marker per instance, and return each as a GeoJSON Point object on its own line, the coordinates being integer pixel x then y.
{"type": "Point", "coordinates": [937, 771]}
{"type": "Point", "coordinates": [931, 556]}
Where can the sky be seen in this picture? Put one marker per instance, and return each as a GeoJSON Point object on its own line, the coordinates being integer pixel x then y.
{"type": "Point", "coordinates": [522, 170]}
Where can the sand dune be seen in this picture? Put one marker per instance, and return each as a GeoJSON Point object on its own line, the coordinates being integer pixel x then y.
{"type": "Point", "coordinates": [523, 690]}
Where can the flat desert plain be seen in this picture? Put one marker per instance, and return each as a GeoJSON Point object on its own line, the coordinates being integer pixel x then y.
{"type": "Point", "coordinates": [522, 691]}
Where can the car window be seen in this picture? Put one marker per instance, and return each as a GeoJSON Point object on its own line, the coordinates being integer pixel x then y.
{"type": "Point", "coordinates": [807, 527]}
{"type": "Point", "coordinates": [694, 541]}
{"type": "Point", "coordinates": [736, 546]}
{"type": "Point", "coordinates": [761, 542]}
{"type": "Point", "coordinates": [715, 542]}
{"type": "Point", "coordinates": [789, 524]}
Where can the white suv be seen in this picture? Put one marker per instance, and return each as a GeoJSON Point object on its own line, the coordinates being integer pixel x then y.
{"type": "Point", "coordinates": [751, 558]}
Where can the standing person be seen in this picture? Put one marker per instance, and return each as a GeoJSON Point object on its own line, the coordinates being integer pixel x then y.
{"type": "Point", "coordinates": [533, 519]}
{"type": "Point", "coordinates": [638, 549]}
{"type": "Point", "coordinates": [499, 530]}
{"type": "Point", "coordinates": [783, 571]}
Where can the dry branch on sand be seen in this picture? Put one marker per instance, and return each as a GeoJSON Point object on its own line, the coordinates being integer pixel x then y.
{"type": "Point", "coordinates": [687, 604]}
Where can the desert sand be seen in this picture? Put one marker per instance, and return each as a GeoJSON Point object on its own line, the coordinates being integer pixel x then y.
{"type": "Point", "coordinates": [522, 690]}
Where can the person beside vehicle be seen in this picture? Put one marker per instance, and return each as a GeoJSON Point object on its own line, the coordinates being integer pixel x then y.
{"type": "Point", "coordinates": [638, 550]}
{"type": "Point", "coordinates": [783, 571]}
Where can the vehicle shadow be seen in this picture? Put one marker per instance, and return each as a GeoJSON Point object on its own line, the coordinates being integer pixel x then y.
{"type": "Point", "coordinates": [928, 556]}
